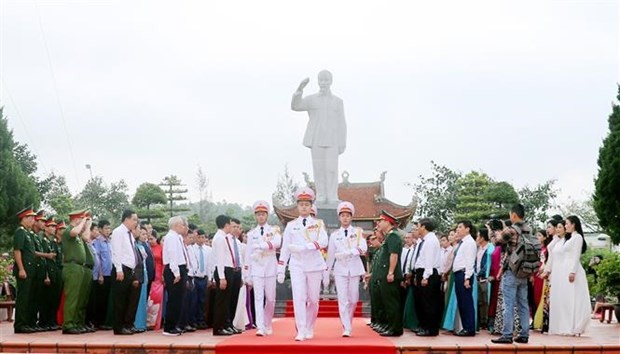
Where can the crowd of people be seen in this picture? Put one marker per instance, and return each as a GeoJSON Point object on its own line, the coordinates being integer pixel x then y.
{"type": "Point", "coordinates": [464, 284]}
{"type": "Point", "coordinates": [505, 277]}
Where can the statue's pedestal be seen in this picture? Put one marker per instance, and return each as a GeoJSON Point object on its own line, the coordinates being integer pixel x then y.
{"type": "Point", "coordinates": [329, 216]}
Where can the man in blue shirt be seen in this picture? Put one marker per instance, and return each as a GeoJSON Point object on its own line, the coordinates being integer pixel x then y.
{"type": "Point", "coordinates": [102, 274]}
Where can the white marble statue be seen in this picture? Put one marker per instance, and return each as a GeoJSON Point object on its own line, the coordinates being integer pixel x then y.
{"type": "Point", "coordinates": [326, 135]}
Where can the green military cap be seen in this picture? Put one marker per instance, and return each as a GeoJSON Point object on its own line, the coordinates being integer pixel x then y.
{"type": "Point", "coordinates": [40, 215]}
{"type": "Point", "coordinates": [388, 217]}
{"type": "Point", "coordinates": [26, 212]}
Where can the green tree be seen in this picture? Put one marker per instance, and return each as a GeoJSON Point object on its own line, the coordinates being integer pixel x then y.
{"type": "Point", "coordinates": [607, 183]}
{"type": "Point", "coordinates": [17, 189]}
{"type": "Point", "coordinates": [437, 195]}
{"type": "Point", "coordinates": [104, 202]}
{"type": "Point", "coordinates": [285, 189]}
{"type": "Point", "coordinates": [171, 186]}
{"type": "Point", "coordinates": [584, 209]}
{"type": "Point", "coordinates": [471, 202]}
{"type": "Point", "coordinates": [202, 182]}
{"type": "Point", "coordinates": [147, 195]}
{"type": "Point", "coordinates": [55, 195]}
{"type": "Point", "coordinates": [537, 201]}
{"type": "Point", "coordinates": [502, 196]}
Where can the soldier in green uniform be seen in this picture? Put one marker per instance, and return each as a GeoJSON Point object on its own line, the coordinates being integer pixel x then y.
{"type": "Point", "coordinates": [23, 270]}
{"type": "Point", "coordinates": [377, 321]}
{"type": "Point", "coordinates": [47, 318]}
{"type": "Point", "coordinates": [389, 275]}
{"type": "Point", "coordinates": [57, 290]}
{"type": "Point", "coordinates": [73, 271]}
{"type": "Point", "coordinates": [40, 271]}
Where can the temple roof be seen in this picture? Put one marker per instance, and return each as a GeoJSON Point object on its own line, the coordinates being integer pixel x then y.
{"type": "Point", "coordinates": [368, 198]}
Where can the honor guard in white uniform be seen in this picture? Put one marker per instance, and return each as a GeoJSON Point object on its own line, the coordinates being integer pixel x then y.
{"type": "Point", "coordinates": [302, 242]}
{"type": "Point", "coordinates": [261, 266]}
{"type": "Point", "coordinates": [346, 245]}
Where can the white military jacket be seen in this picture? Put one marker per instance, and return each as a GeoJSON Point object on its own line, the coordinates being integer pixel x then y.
{"type": "Point", "coordinates": [346, 252]}
{"type": "Point", "coordinates": [260, 256]}
{"type": "Point", "coordinates": [310, 238]}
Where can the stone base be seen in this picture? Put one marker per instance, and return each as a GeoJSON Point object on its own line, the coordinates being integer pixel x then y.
{"type": "Point", "coordinates": [329, 217]}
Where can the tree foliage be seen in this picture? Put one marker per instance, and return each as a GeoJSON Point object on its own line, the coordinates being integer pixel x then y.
{"type": "Point", "coordinates": [285, 189]}
{"type": "Point", "coordinates": [104, 202]}
{"type": "Point", "coordinates": [537, 201]}
{"type": "Point", "coordinates": [470, 201]}
{"type": "Point", "coordinates": [607, 183]}
{"type": "Point", "coordinates": [17, 189]}
{"type": "Point", "coordinates": [584, 209]}
{"type": "Point", "coordinates": [202, 182]}
{"type": "Point", "coordinates": [437, 195]}
{"type": "Point", "coordinates": [171, 186]}
{"type": "Point", "coordinates": [55, 195]}
{"type": "Point", "coordinates": [147, 195]}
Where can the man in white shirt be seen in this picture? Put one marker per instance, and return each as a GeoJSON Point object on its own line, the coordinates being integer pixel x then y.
{"type": "Point", "coordinates": [302, 242]}
{"type": "Point", "coordinates": [226, 263]}
{"type": "Point", "coordinates": [446, 248]}
{"type": "Point", "coordinates": [202, 256]}
{"type": "Point", "coordinates": [428, 300]}
{"type": "Point", "coordinates": [261, 266]}
{"type": "Point", "coordinates": [185, 319]}
{"type": "Point", "coordinates": [346, 246]}
{"type": "Point", "coordinates": [124, 261]}
{"type": "Point", "coordinates": [175, 258]}
{"type": "Point", "coordinates": [463, 268]}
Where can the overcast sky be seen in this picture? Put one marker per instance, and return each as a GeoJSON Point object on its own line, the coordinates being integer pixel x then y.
{"type": "Point", "coordinates": [143, 89]}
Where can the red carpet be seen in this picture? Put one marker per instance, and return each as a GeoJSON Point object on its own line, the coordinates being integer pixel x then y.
{"type": "Point", "coordinates": [327, 308]}
{"type": "Point", "coordinates": [327, 339]}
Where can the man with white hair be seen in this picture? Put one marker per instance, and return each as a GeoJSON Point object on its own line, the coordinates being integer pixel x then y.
{"type": "Point", "coordinates": [175, 258]}
{"type": "Point", "coordinates": [346, 245]}
{"type": "Point", "coordinates": [302, 242]}
{"type": "Point", "coordinates": [260, 266]}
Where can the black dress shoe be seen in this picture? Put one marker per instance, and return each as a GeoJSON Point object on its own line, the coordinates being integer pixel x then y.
{"type": "Point", "coordinates": [502, 340]}
{"type": "Point", "coordinates": [381, 328]}
{"type": "Point", "coordinates": [222, 332]}
{"type": "Point", "coordinates": [173, 332]}
{"type": "Point", "coordinates": [189, 328]}
{"type": "Point", "coordinates": [105, 328]}
{"type": "Point", "coordinates": [24, 329]}
{"type": "Point", "coordinates": [426, 333]}
{"type": "Point", "coordinates": [71, 331]}
{"type": "Point", "coordinates": [391, 334]}
{"type": "Point", "coordinates": [465, 333]}
{"type": "Point", "coordinates": [523, 340]}
{"type": "Point", "coordinates": [139, 330]}
{"type": "Point", "coordinates": [124, 332]}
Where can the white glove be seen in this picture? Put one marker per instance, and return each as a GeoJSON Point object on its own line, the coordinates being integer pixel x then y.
{"type": "Point", "coordinates": [295, 248]}
{"type": "Point", "coordinates": [326, 279]}
{"type": "Point", "coordinates": [280, 278]}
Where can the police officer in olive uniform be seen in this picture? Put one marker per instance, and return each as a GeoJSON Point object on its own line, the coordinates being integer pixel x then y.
{"type": "Point", "coordinates": [73, 271]}
{"type": "Point", "coordinates": [389, 275]}
{"type": "Point", "coordinates": [23, 270]}
{"type": "Point", "coordinates": [47, 314]}
{"type": "Point", "coordinates": [87, 277]}
{"type": "Point", "coordinates": [40, 272]}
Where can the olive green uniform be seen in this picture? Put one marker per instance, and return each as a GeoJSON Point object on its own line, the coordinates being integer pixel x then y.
{"type": "Point", "coordinates": [376, 312]}
{"type": "Point", "coordinates": [39, 276]}
{"type": "Point", "coordinates": [87, 281]}
{"type": "Point", "coordinates": [73, 277]}
{"type": "Point", "coordinates": [47, 314]}
{"type": "Point", "coordinates": [57, 286]}
{"type": "Point", "coordinates": [22, 240]}
{"type": "Point", "coordinates": [389, 293]}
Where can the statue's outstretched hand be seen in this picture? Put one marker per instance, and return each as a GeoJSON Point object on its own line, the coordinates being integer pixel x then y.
{"type": "Point", "coordinates": [303, 84]}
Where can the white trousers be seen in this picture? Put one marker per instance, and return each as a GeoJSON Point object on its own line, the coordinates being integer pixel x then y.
{"type": "Point", "coordinates": [264, 288]}
{"type": "Point", "coordinates": [306, 291]}
{"type": "Point", "coordinates": [348, 295]}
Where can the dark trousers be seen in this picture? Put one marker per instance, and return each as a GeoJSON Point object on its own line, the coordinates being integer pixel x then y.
{"type": "Point", "coordinates": [221, 305]}
{"type": "Point", "coordinates": [37, 305]}
{"type": "Point", "coordinates": [101, 294]}
{"type": "Point", "coordinates": [199, 296]}
{"type": "Point", "coordinates": [175, 296]}
{"type": "Point", "coordinates": [186, 306]}
{"type": "Point", "coordinates": [428, 301]}
{"type": "Point", "coordinates": [210, 306]}
{"type": "Point", "coordinates": [23, 301]}
{"type": "Point", "coordinates": [235, 287]}
{"type": "Point", "coordinates": [465, 301]}
{"type": "Point", "coordinates": [389, 298]}
{"type": "Point", "coordinates": [125, 299]}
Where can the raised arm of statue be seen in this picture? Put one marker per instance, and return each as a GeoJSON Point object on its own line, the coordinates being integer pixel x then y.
{"type": "Point", "coordinates": [298, 103]}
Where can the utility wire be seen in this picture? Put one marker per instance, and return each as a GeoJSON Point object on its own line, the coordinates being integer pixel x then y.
{"type": "Point", "coordinates": [55, 86]}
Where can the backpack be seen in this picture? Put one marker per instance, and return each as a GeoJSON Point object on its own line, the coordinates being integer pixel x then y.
{"type": "Point", "coordinates": [524, 261]}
